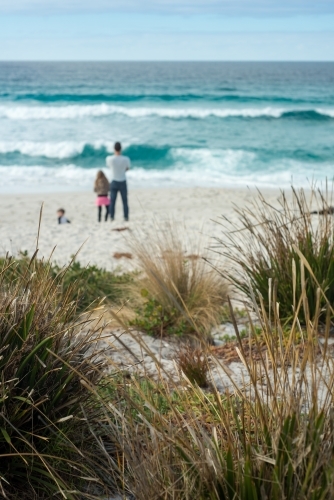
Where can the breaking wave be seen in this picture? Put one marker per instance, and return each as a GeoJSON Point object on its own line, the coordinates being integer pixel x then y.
{"type": "Point", "coordinates": [97, 110]}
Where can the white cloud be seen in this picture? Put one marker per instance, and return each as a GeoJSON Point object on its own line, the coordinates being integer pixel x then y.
{"type": "Point", "coordinates": [225, 7]}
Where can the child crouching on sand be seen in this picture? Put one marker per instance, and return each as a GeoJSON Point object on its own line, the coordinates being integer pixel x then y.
{"type": "Point", "coordinates": [62, 219]}
{"type": "Point", "coordinates": [101, 188]}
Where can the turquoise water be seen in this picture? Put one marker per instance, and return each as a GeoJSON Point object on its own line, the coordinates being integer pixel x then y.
{"type": "Point", "coordinates": [182, 124]}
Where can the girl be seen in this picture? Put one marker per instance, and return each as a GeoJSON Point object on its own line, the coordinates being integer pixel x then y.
{"type": "Point", "coordinates": [101, 188]}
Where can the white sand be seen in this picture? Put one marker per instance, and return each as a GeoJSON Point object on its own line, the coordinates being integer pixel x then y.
{"type": "Point", "coordinates": [136, 352]}
{"type": "Point", "coordinates": [197, 213]}
{"type": "Point", "coordinates": [193, 209]}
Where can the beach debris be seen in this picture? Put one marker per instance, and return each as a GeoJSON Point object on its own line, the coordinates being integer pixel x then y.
{"type": "Point", "coordinates": [120, 255]}
{"type": "Point", "coordinates": [325, 211]}
{"type": "Point", "coordinates": [121, 229]}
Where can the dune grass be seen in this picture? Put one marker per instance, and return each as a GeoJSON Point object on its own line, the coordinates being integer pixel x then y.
{"type": "Point", "coordinates": [265, 247]}
{"type": "Point", "coordinates": [70, 429]}
{"type": "Point", "coordinates": [180, 294]}
{"type": "Point", "coordinates": [271, 437]}
{"type": "Point", "coordinates": [48, 419]}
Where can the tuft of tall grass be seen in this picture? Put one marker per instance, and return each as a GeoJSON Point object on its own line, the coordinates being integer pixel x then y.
{"type": "Point", "coordinates": [191, 361]}
{"type": "Point", "coordinates": [180, 294]}
{"type": "Point", "coordinates": [50, 435]}
{"type": "Point", "coordinates": [270, 437]}
{"type": "Point", "coordinates": [265, 247]}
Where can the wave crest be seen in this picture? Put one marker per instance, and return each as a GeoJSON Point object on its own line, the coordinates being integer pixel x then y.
{"type": "Point", "coordinates": [71, 177]}
{"type": "Point", "coordinates": [229, 95]}
{"type": "Point", "coordinates": [97, 110]}
{"type": "Point", "coordinates": [60, 150]}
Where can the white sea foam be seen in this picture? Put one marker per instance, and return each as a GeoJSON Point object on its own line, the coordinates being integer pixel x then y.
{"type": "Point", "coordinates": [326, 112]}
{"type": "Point", "coordinates": [181, 156]}
{"type": "Point", "coordinates": [19, 178]}
{"type": "Point", "coordinates": [207, 168]}
{"type": "Point", "coordinates": [61, 150]}
{"type": "Point", "coordinates": [96, 110]}
{"type": "Point", "coordinates": [214, 160]}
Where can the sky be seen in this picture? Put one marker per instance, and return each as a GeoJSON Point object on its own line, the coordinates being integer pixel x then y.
{"type": "Point", "coordinates": [246, 30]}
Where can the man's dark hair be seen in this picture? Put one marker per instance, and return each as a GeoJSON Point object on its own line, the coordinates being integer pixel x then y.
{"type": "Point", "coordinates": [118, 147]}
{"type": "Point", "coordinates": [61, 210]}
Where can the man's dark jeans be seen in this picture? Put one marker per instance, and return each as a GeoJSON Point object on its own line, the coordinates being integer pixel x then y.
{"type": "Point", "coordinates": [116, 186]}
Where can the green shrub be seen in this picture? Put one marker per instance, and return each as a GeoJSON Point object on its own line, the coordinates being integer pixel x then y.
{"type": "Point", "coordinates": [84, 285]}
{"type": "Point", "coordinates": [153, 319]}
{"type": "Point", "coordinates": [264, 251]}
{"type": "Point", "coordinates": [92, 283]}
{"type": "Point", "coordinates": [49, 421]}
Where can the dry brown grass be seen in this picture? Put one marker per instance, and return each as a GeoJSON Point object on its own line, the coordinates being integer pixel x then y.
{"type": "Point", "coordinates": [193, 362]}
{"type": "Point", "coordinates": [269, 437]}
{"type": "Point", "coordinates": [184, 287]}
{"type": "Point", "coordinates": [121, 255]}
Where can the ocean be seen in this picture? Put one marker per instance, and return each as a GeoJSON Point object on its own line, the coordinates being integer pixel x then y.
{"type": "Point", "coordinates": [217, 124]}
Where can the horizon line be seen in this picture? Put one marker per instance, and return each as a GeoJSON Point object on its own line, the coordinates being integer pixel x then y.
{"type": "Point", "coordinates": [164, 61]}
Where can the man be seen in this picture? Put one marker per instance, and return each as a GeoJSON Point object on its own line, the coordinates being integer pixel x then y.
{"type": "Point", "coordinates": [118, 164]}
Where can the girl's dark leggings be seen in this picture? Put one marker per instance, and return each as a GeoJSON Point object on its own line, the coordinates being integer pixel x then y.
{"type": "Point", "coordinates": [100, 213]}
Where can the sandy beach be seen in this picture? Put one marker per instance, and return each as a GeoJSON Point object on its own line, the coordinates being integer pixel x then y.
{"type": "Point", "coordinates": [194, 210]}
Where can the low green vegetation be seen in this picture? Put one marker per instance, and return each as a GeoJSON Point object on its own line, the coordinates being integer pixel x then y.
{"type": "Point", "coordinates": [241, 315]}
{"type": "Point", "coordinates": [155, 320]}
{"type": "Point", "coordinates": [84, 285]}
{"type": "Point", "coordinates": [231, 338]}
{"type": "Point", "coordinates": [93, 284]}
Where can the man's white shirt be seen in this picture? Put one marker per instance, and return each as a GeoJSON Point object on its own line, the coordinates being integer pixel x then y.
{"type": "Point", "coordinates": [118, 165]}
